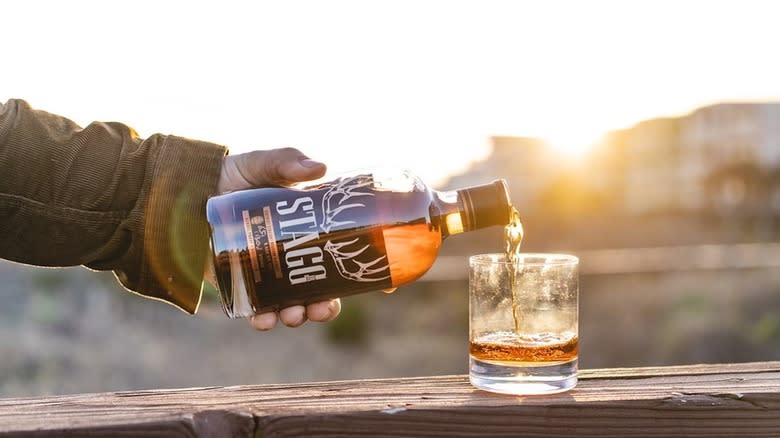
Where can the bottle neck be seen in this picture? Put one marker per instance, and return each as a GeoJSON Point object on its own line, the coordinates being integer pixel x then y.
{"type": "Point", "coordinates": [476, 207]}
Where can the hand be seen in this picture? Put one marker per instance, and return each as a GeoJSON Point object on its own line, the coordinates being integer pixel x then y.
{"type": "Point", "coordinates": [277, 167]}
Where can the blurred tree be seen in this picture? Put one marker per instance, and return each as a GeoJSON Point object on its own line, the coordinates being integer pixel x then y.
{"type": "Point", "coordinates": [351, 327]}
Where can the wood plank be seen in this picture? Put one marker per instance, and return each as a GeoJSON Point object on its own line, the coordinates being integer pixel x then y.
{"type": "Point", "coordinates": [681, 370]}
{"type": "Point", "coordinates": [697, 400]}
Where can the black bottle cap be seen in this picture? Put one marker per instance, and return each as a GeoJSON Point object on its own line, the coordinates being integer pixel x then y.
{"type": "Point", "coordinates": [485, 205]}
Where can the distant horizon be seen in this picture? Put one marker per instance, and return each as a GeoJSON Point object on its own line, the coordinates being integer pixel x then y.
{"type": "Point", "coordinates": [597, 140]}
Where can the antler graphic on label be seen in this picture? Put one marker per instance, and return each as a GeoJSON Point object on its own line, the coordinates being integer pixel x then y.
{"type": "Point", "coordinates": [334, 202]}
{"type": "Point", "coordinates": [365, 271]}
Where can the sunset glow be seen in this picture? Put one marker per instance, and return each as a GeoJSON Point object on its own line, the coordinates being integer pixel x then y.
{"type": "Point", "coordinates": [416, 84]}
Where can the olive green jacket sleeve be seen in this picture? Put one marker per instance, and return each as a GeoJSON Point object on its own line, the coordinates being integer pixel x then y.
{"type": "Point", "coordinates": [103, 198]}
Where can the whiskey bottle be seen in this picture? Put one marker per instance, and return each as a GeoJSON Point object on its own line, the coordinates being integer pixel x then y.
{"type": "Point", "coordinates": [371, 230]}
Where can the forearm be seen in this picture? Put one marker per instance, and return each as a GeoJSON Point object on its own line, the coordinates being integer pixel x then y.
{"type": "Point", "coordinates": [104, 198]}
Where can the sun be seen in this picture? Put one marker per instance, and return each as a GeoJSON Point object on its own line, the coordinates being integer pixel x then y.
{"type": "Point", "coordinates": [572, 147]}
{"type": "Point", "coordinates": [573, 140]}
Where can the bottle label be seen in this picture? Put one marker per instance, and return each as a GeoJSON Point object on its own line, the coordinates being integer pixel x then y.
{"type": "Point", "coordinates": [320, 238]}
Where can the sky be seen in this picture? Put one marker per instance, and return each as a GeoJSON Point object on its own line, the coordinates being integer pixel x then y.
{"type": "Point", "coordinates": [415, 84]}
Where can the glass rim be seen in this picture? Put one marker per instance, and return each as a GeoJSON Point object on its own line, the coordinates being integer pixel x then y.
{"type": "Point", "coordinates": [548, 259]}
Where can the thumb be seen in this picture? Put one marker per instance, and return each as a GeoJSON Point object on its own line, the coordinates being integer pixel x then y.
{"type": "Point", "coordinates": [275, 167]}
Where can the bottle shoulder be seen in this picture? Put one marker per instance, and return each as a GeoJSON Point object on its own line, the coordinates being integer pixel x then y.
{"type": "Point", "coordinates": [411, 250]}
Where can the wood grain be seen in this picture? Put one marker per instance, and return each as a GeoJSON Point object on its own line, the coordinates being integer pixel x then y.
{"type": "Point", "coordinates": [699, 400]}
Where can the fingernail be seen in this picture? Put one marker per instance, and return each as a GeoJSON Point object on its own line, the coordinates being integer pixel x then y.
{"type": "Point", "coordinates": [264, 323]}
{"type": "Point", "coordinates": [307, 162]}
{"type": "Point", "coordinates": [332, 308]}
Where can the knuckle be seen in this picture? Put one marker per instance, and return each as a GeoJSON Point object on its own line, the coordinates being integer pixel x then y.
{"type": "Point", "coordinates": [288, 151]}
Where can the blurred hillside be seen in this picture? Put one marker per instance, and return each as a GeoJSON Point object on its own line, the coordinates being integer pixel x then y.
{"type": "Point", "coordinates": [675, 220]}
{"type": "Point", "coordinates": [712, 176]}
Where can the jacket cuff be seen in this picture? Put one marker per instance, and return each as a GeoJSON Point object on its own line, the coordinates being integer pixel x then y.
{"type": "Point", "coordinates": [176, 233]}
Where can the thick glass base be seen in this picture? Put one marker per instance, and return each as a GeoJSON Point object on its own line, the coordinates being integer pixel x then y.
{"type": "Point", "coordinates": [522, 378]}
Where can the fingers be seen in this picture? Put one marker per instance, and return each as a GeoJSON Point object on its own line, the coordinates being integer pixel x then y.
{"type": "Point", "coordinates": [263, 321]}
{"type": "Point", "coordinates": [275, 167]}
{"type": "Point", "coordinates": [324, 311]}
{"type": "Point", "coordinates": [295, 316]}
{"type": "Point", "coordinates": [291, 316]}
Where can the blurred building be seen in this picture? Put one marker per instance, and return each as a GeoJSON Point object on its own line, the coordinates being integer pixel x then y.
{"type": "Point", "coordinates": [527, 164]}
{"type": "Point", "coordinates": [653, 183]}
{"type": "Point", "coordinates": [731, 154]}
{"type": "Point", "coordinates": [607, 168]}
{"type": "Point", "coordinates": [638, 168]}
{"type": "Point", "coordinates": [723, 158]}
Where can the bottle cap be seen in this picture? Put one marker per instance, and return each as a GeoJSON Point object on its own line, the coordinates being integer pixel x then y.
{"type": "Point", "coordinates": [485, 205]}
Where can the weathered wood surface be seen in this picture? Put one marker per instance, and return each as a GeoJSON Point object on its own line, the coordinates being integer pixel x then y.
{"type": "Point", "coordinates": [702, 400]}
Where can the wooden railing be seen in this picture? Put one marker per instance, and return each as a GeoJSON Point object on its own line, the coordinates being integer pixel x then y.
{"type": "Point", "coordinates": [733, 400]}
{"type": "Point", "coordinates": [664, 259]}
